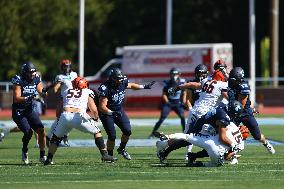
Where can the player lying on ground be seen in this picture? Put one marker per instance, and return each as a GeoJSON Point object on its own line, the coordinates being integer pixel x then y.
{"type": "Point", "coordinates": [215, 132]}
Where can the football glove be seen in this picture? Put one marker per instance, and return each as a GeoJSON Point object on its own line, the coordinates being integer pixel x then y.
{"type": "Point", "coordinates": [149, 85]}
{"type": "Point", "coordinates": [235, 148]}
{"type": "Point", "coordinates": [30, 97]}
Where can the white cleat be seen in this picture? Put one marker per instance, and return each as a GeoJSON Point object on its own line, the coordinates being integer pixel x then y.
{"type": "Point", "coordinates": [2, 135]}
{"type": "Point", "coordinates": [269, 147]}
{"type": "Point", "coordinates": [42, 159]}
{"type": "Point", "coordinates": [25, 158]}
{"type": "Point", "coordinates": [161, 145]}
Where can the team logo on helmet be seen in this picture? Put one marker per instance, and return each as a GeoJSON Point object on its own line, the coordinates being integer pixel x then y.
{"type": "Point", "coordinates": [28, 71]}
{"type": "Point", "coordinates": [201, 72]}
{"type": "Point", "coordinates": [80, 83]}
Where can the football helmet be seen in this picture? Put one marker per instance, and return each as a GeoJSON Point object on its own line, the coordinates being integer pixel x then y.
{"type": "Point", "coordinates": [235, 109]}
{"type": "Point", "coordinates": [80, 83]}
{"type": "Point", "coordinates": [220, 66]}
{"type": "Point", "coordinates": [201, 72]}
{"type": "Point", "coordinates": [65, 66]}
{"type": "Point", "coordinates": [116, 76]}
{"type": "Point", "coordinates": [236, 76]}
{"type": "Point", "coordinates": [28, 71]}
{"type": "Point", "coordinates": [174, 74]}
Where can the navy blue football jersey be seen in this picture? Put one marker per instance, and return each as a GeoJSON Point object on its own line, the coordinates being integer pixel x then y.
{"type": "Point", "coordinates": [115, 95]}
{"type": "Point", "coordinates": [170, 83]}
{"type": "Point", "coordinates": [195, 92]}
{"type": "Point", "coordinates": [27, 88]}
{"type": "Point", "coordinates": [242, 89]}
{"type": "Point", "coordinates": [218, 114]}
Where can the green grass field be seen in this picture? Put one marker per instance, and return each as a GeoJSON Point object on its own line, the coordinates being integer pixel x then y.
{"type": "Point", "coordinates": [80, 167]}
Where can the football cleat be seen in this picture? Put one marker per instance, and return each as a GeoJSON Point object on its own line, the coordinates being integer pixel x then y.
{"type": "Point", "coordinates": [161, 145]}
{"type": "Point", "coordinates": [234, 160]}
{"type": "Point", "coordinates": [190, 160]}
{"type": "Point", "coordinates": [124, 153]}
{"type": "Point", "coordinates": [108, 159]}
{"type": "Point", "coordinates": [159, 135]}
{"type": "Point", "coordinates": [269, 147]}
{"type": "Point", "coordinates": [48, 162]}
{"type": "Point", "coordinates": [2, 135]}
{"type": "Point", "coordinates": [25, 158]}
{"type": "Point", "coordinates": [162, 157]}
{"type": "Point", "coordinates": [42, 159]}
{"type": "Point", "coordinates": [196, 164]}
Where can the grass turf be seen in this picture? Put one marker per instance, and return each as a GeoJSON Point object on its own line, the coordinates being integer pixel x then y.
{"type": "Point", "coordinates": [81, 167]}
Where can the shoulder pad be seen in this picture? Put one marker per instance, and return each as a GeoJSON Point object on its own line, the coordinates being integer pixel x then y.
{"type": "Point", "coordinates": [91, 93]}
{"type": "Point", "coordinates": [16, 80]}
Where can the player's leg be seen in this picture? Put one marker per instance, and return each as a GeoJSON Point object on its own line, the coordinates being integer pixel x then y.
{"type": "Point", "coordinates": [22, 122]}
{"type": "Point", "coordinates": [253, 127]}
{"type": "Point", "coordinates": [166, 108]}
{"type": "Point", "coordinates": [63, 128]}
{"type": "Point", "coordinates": [37, 126]}
{"type": "Point", "coordinates": [180, 112]}
{"type": "Point", "coordinates": [86, 124]}
{"type": "Point", "coordinates": [108, 124]}
{"type": "Point", "coordinates": [124, 124]}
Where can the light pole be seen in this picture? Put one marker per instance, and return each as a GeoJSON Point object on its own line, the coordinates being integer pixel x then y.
{"type": "Point", "coordinates": [81, 37]}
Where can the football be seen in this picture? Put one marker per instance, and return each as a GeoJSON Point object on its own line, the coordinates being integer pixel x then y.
{"type": "Point", "coordinates": [245, 132]}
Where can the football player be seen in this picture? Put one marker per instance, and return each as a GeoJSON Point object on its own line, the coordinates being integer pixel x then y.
{"type": "Point", "coordinates": [76, 100]}
{"type": "Point", "coordinates": [239, 89]}
{"type": "Point", "coordinates": [62, 82]}
{"type": "Point", "coordinates": [177, 103]}
{"type": "Point", "coordinates": [111, 97]}
{"type": "Point", "coordinates": [25, 88]}
{"type": "Point", "coordinates": [215, 132]}
{"type": "Point", "coordinates": [213, 90]}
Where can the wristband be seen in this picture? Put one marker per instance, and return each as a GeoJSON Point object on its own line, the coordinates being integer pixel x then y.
{"type": "Point", "coordinates": [141, 86]}
{"type": "Point", "coordinates": [109, 112]}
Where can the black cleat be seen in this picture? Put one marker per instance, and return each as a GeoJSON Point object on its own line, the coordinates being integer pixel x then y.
{"type": "Point", "coordinates": [191, 159]}
{"type": "Point", "coordinates": [196, 164]}
{"type": "Point", "coordinates": [159, 135]}
{"type": "Point", "coordinates": [48, 162]}
{"type": "Point", "coordinates": [124, 153]}
{"type": "Point", "coordinates": [108, 159]}
{"type": "Point", "coordinates": [162, 157]}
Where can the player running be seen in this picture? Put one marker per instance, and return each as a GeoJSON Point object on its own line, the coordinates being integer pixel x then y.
{"type": "Point", "coordinates": [111, 97]}
{"type": "Point", "coordinates": [239, 89]}
{"type": "Point", "coordinates": [25, 88]}
{"type": "Point", "coordinates": [177, 103]}
{"type": "Point", "coordinates": [62, 82]}
{"type": "Point", "coordinates": [76, 100]}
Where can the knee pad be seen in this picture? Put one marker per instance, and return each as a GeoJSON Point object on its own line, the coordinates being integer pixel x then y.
{"type": "Point", "coordinates": [55, 140]}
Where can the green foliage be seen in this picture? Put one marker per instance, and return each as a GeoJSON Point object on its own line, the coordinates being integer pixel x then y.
{"type": "Point", "coordinates": [264, 58]}
{"type": "Point", "coordinates": [45, 31]}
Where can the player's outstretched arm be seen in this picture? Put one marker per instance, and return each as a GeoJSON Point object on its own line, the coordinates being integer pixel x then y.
{"type": "Point", "coordinates": [136, 86]}
{"type": "Point", "coordinates": [93, 108]}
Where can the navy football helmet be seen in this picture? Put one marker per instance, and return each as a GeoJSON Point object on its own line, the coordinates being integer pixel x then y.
{"type": "Point", "coordinates": [235, 109]}
{"type": "Point", "coordinates": [174, 74]}
{"type": "Point", "coordinates": [201, 72]}
{"type": "Point", "coordinates": [236, 76]}
{"type": "Point", "coordinates": [28, 71]}
{"type": "Point", "coordinates": [116, 76]}
{"type": "Point", "coordinates": [65, 66]}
